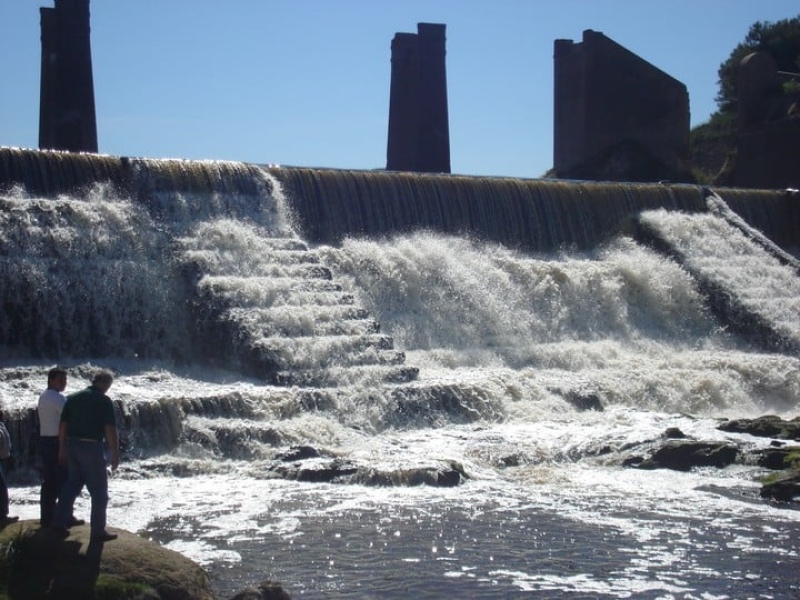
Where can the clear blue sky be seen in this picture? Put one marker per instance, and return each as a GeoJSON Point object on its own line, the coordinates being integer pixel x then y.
{"type": "Point", "coordinates": [306, 82]}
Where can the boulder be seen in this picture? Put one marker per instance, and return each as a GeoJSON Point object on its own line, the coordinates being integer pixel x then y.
{"type": "Point", "coordinates": [767, 426]}
{"type": "Point", "coordinates": [37, 563]}
{"type": "Point", "coordinates": [784, 488]}
{"type": "Point", "coordinates": [683, 455]}
{"type": "Point", "coordinates": [777, 458]}
{"type": "Point", "coordinates": [674, 433]}
{"type": "Point", "coordinates": [447, 474]}
{"type": "Point", "coordinates": [266, 590]}
{"type": "Point", "coordinates": [584, 402]}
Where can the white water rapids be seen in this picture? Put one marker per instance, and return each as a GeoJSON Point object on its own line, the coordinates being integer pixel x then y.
{"type": "Point", "coordinates": [547, 510]}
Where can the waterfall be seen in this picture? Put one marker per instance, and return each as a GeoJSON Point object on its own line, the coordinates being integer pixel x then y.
{"type": "Point", "coordinates": [529, 214]}
{"type": "Point", "coordinates": [525, 341]}
{"type": "Point", "coordinates": [88, 251]}
{"type": "Point", "coordinates": [137, 258]}
{"type": "Point", "coordinates": [179, 260]}
{"type": "Point", "coordinates": [331, 284]}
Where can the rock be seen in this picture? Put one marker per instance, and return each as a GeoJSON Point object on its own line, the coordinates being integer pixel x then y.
{"type": "Point", "coordinates": [308, 464]}
{"type": "Point", "coordinates": [784, 489]}
{"type": "Point", "coordinates": [266, 590]}
{"type": "Point", "coordinates": [315, 471]}
{"type": "Point", "coordinates": [766, 426]}
{"type": "Point", "coordinates": [778, 458]}
{"type": "Point", "coordinates": [584, 402]}
{"type": "Point", "coordinates": [684, 455]}
{"type": "Point", "coordinates": [581, 401]}
{"type": "Point", "coordinates": [451, 476]}
{"type": "Point", "coordinates": [37, 563]}
{"type": "Point", "coordinates": [674, 433]}
{"type": "Point", "coordinates": [512, 460]}
{"type": "Point", "coordinates": [299, 453]}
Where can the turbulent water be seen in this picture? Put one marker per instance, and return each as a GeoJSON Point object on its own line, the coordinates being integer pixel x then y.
{"type": "Point", "coordinates": [502, 339]}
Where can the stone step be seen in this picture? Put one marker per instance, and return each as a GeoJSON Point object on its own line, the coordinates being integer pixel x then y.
{"type": "Point", "coordinates": [307, 301]}
{"type": "Point", "coordinates": [335, 377]}
{"type": "Point", "coordinates": [298, 271]}
{"type": "Point", "coordinates": [327, 351]}
{"type": "Point", "coordinates": [261, 290]}
{"type": "Point", "coordinates": [299, 326]}
{"type": "Point", "coordinates": [286, 244]}
{"type": "Point", "coordinates": [287, 321]}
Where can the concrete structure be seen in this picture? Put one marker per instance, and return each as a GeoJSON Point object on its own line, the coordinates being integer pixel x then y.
{"type": "Point", "coordinates": [768, 126]}
{"type": "Point", "coordinates": [617, 117]}
{"type": "Point", "coordinates": [419, 131]}
{"type": "Point", "coordinates": [66, 106]}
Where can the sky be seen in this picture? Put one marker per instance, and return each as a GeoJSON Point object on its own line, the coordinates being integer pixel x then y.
{"type": "Point", "coordinates": [306, 82]}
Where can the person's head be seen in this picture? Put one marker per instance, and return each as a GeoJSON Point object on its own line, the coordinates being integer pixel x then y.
{"type": "Point", "coordinates": [57, 379]}
{"type": "Point", "coordinates": [102, 380]}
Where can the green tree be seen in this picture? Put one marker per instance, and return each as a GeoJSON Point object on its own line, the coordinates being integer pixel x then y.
{"type": "Point", "coordinates": [780, 39]}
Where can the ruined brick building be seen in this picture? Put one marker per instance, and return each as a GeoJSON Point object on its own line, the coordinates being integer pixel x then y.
{"type": "Point", "coordinates": [617, 117]}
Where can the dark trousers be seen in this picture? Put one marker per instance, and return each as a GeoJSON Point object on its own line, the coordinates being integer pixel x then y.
{"type": "Point", "coordinates": [3, 494]}
{"type": "Point", "coordinates": [87, 466]}
{"type": "Point", "coordinates": [53, 477]}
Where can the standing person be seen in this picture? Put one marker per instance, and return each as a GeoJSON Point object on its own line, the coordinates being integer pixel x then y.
{"type": "Point", "coordinates": [86, 420]}
{"type": "Point", "coordinates": [5, 452]}
{"type": "Point", "coordinates": [53, 473]}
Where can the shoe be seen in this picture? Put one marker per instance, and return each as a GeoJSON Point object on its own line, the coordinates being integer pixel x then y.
{"type": "Point", "coordinates": [104, 537]}
{"type": "Point", "coordinates": [74, 522]}
{"type": "Point", "coordinates": [8, 520]}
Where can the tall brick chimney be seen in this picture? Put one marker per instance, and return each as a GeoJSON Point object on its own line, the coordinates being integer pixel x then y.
{"type": "Point", "coordinates": [67, 118]}
{"type": "Point", "coordinates": [419, 130]}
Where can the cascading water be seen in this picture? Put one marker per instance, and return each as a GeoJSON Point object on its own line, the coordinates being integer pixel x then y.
{"type": "Point", "coordinates": [274, 420]}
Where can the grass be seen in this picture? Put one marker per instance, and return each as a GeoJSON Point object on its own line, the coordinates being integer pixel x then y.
{"type": "Point", "coordinates": [108, 587]}
{"type": "Point", "coordinates": [792, 460]}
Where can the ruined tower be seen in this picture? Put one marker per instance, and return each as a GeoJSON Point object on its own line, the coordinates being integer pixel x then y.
{"type": "Point", "coordinates": [419, 131]}
{"type": "Point", "coordinates": [66, 104]}
{"type": "Point", "coordinates": [617, 117]}
{"type": "Point", "coordinates": [768, 126]}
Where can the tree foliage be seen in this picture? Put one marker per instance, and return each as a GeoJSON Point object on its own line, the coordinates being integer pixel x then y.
{"type": "Point", "coordinates": [780, 39]}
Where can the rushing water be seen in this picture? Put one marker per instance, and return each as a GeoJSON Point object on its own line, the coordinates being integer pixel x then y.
{"type": "Point", "coordinates": [502, 339]}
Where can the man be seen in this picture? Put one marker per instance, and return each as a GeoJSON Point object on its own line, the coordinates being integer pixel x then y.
{"type": "Point", "coordinates": [86, 420]}
{"type": "Point", "coordinates": [53, 474]}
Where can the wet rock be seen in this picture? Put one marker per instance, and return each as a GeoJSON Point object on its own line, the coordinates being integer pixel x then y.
{"type": "Point", "coordinates": [777, 458]}
{"type": "Point", "coordinates": [266, 590]}
{"type": "Point", "coordinates": [324, 470]}
{"type": "Point", "coordinates": [579, 400]}
{"type": "Point", "coordinates": [685, 455]}
{"type": "Point", "coordinates": [766, 426]}
{"type": "Point", "coordinates": [435, 477]}
{"type": "Point", "coordinates": [633, 461]}
{"type": "Point", "coordinates": [784, 488]}
{"type": "Point", "coordinates": [674, 433]}
{"type": "Point", "coordinates": [296, 453]}
{"type": "Point", "coordinates": [313, 471]}
{"type": "Point", "coordinates": [512, 460]}
{"type": "Point", "coordinates": [584, 402]}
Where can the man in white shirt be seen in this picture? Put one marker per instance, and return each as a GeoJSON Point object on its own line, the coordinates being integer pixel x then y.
{"type": "Point", "coordinates": [53, 474]}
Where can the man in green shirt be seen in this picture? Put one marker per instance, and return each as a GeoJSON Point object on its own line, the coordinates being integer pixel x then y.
{"type": "Point", "coordinates": [87, 419]}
